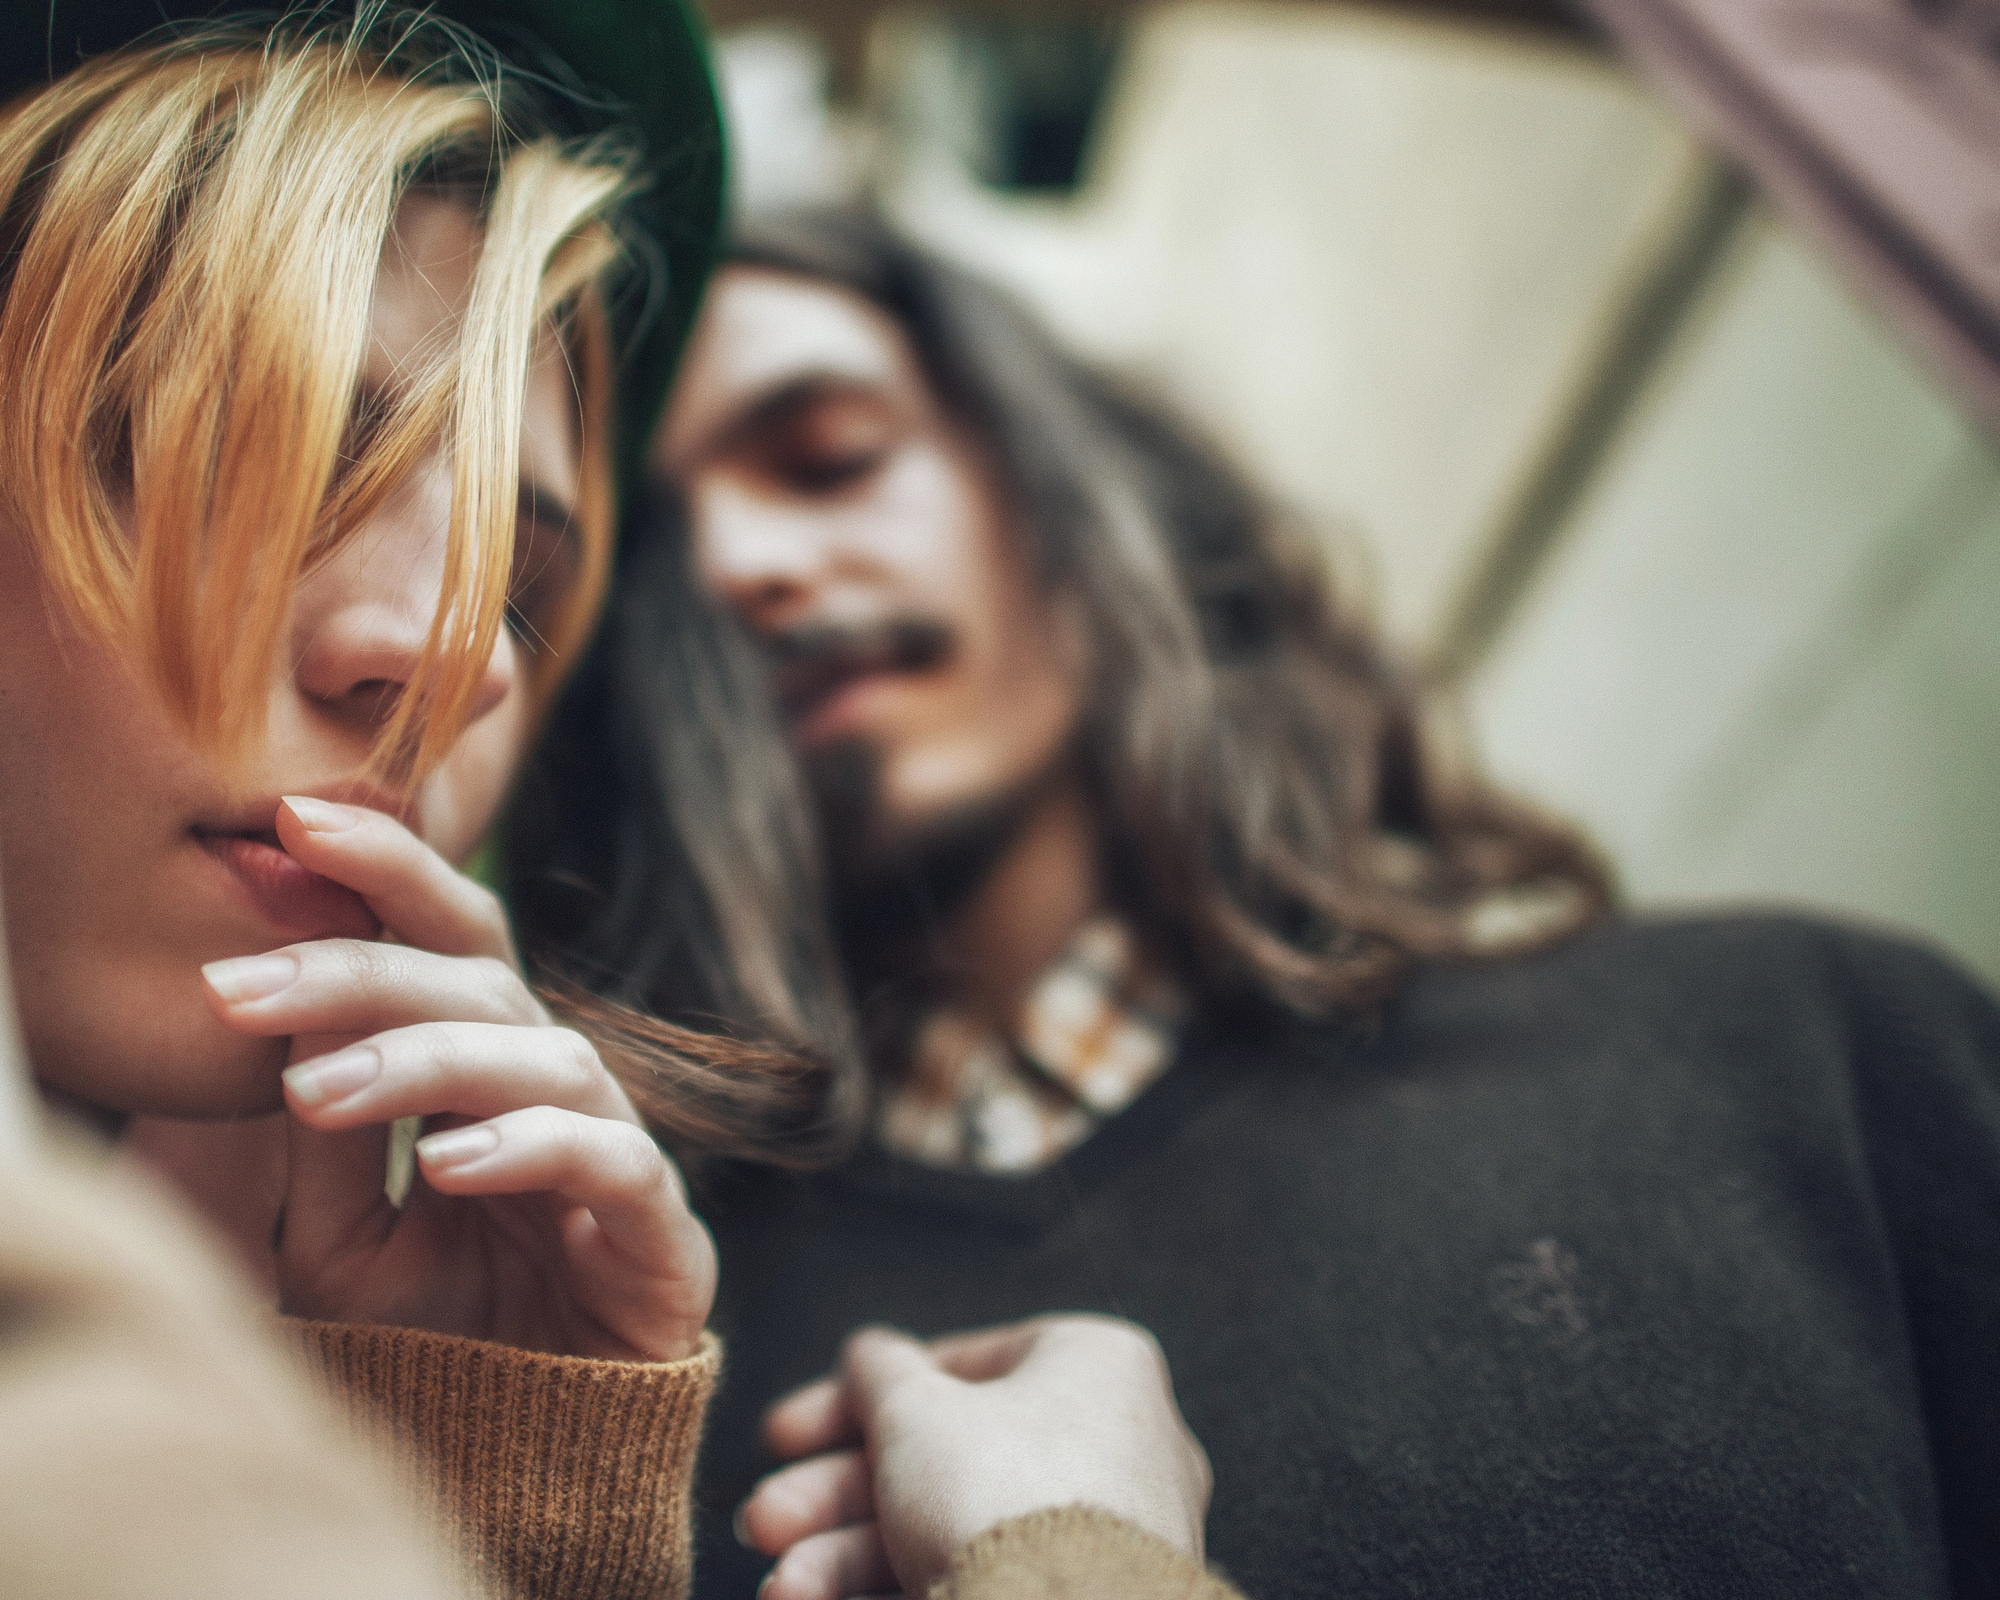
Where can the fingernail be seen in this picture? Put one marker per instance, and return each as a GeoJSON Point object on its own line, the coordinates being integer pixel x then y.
{"type": "Point", "coordinates": [335, 1077]}
{"type": "Point", "coordinates": [457, 1147]}
{"type": "Point", "coordinates": [251, 977]}
{"type": "Point", "coordinates": [321, 816]}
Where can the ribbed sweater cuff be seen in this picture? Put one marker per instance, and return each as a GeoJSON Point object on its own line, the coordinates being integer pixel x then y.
{"type": "Point", "coordinates": [557, 1477]}
{"type": "Point", "coordinates": [1075, 1553]}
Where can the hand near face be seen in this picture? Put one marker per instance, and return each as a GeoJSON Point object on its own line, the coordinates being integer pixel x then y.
{"type": "Point", "coordinates": [912, 1449]}
{"type": "Point", "coordinates": [546, 1218]}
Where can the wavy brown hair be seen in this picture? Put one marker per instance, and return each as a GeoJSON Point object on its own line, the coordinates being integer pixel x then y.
{"type": "Point", "coordinates": [662, 869]}
{"type": "Point", "coordinates": [1279, 819]}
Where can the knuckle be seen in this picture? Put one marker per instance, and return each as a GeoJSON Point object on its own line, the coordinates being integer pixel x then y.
{"type": "Point", "coordinates": [909, 1398]}
{"type": "Point", "coordinates": [621, 1156]}
{"type": "Point", "coordinates": [502, 985]}
{"type": "Point", "coordinates": [362, 961]}
{"type": "Point", "coordinates": [639, 1158]}
{"type": "Point", "coordinates": [576, 1059]}
{"type": "Point", "coordinates": [565, 1131]}
{"type": "Point", "coordinates": [546, 1131]}
{"type": "Point", "coordinates": [426, 1050]}
{"type": "Point", "coordinates": [1110, 1333]}
{"type": "Point", "coordinates": [493, 926]}
{"type": "Point", "coordinates": [1130, 1344]}
{"type": "Point", "coordinates": [487, 911]}
{"type": "Point", "coordinates": [351, 974]}
{"type": "Point", "coordinates": [1135, 1339]}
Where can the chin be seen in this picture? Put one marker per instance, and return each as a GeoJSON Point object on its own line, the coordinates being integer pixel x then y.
{"type": "Point", "coordinates": [197, 1072]}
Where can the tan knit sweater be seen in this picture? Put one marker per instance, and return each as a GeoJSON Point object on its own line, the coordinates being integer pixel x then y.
{"type": "Point", "coordinates": [1075, 1553]}
{"type": "Point", "coordinates": [151, 1442]}
{"type": "Point", "coordinates": [552, 1477]}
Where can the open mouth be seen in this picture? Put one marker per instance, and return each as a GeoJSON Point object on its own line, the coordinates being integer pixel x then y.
{"type": "Point", "coordinates": [297, 902]}
{"type": "Point", "coordinates": [815, 665]}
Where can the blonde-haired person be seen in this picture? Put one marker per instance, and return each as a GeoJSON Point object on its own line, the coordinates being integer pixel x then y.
{"type": "Point", "coordinates": [307, 477]}
{"type": "Point", "coordinates": [308, 467]}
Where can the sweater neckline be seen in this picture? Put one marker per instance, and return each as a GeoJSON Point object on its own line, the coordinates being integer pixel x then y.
{"type": "Point", "coordinates": [1214, 1062]}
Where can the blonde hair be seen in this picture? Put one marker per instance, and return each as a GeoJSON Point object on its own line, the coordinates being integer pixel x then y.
{"type": "Point", "coordinates": [192, 232]}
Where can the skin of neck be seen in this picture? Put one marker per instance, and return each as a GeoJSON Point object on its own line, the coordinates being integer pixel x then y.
{"type": "Point", "coordinates": [1026, 911]}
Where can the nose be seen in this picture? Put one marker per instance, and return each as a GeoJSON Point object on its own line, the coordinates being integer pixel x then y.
{"type": "Point", "coordinates": [361, 618]}
{"type": "Point", "coordinates": [360, 657]}
{"type": "Point", "coordinates": [768, 562]}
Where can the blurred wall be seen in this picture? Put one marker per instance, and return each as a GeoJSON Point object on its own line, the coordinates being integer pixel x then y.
{"type": "Point", "coordinates": [1382, 258]}
{"type": "Point", "coordinates": [1765, 660]}
{"type": "Point", "coordinates": [846, 28]}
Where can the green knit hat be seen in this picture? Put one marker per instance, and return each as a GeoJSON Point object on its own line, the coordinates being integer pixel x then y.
{"type": "Point", "coordinates": [639, 67]}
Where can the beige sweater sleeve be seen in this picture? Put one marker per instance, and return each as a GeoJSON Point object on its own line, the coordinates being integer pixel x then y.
{"type": "Point", "coordinates": [1075, 1553]}
{"type": "Point", "coordinates": [555, 1477]}
{"type": "Point", "coordinates": [153, 1440]}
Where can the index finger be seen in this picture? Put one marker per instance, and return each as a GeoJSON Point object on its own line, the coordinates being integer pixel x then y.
{"type": "Point", "coordinates": [416, 894]}
{"type": "Point", "coordinates": [1054, 1339]}
{"type": "Point", "coordinates": [982, 1353]}
{"type": "Point", "coordinates": [816, 1495]}
{"type": "Point", "coordinates": [811, 1421]}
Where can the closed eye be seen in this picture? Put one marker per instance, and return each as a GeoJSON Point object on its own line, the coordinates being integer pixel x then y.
{"type": "Point", "coordinates": [821, 474]}
{"type": "Point", "coordinates": [547, 558]}
{"type": "Point", "coordinates": [819, 437]}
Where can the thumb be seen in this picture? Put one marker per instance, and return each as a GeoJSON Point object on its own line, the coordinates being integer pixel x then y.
{"type": "Point", "coordinates": [333, 1189]}
{"type": "Point", "coordinates": [877, 1361]}
{"type": "Point", "coordinates": [333, 1195]}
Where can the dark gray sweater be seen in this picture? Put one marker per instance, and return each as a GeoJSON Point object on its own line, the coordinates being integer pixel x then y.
{"type": "Point", "coordinates": [1665, 1263]}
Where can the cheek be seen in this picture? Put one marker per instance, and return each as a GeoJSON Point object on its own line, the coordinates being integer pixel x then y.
{"type": "Point", "coordinates": [109, 906]}
{"type": "Point", "coordinates": [929, 523]}
{"type": "Point", "coordinates": [1023, 654]}
{"type": "Point", "coordinates": [1015, 694]}
{"type": "Point", "coordinates": [461, 799]}
{"type": "Point", "coordinates": [86, 755]}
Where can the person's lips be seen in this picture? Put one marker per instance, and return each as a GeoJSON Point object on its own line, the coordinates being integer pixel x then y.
{"type": "Point", "coordinates": [818, 665]}
{"type": "Point", "coordinates": [297, 902]}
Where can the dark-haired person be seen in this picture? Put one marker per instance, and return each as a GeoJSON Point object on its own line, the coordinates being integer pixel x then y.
{"type": "Point", "coordinates": [1498, 1245]}
{"type": "Point", "coordinates": [309, 451]}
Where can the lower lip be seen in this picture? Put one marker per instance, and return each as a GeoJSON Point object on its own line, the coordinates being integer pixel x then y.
{"type": "Point", "coordinates": [840, 712]}
{"type": "Point", "coordinates": [299, 903]}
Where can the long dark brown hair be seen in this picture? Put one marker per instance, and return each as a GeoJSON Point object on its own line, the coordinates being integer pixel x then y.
{"type": "Point", "coordinates": [660, 862]}
{"type": "Point", "coordinates": [1278, 818]}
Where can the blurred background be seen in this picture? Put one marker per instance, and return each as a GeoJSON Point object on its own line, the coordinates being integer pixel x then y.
{"type": "Point", "coordinates": [1710, 559]}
